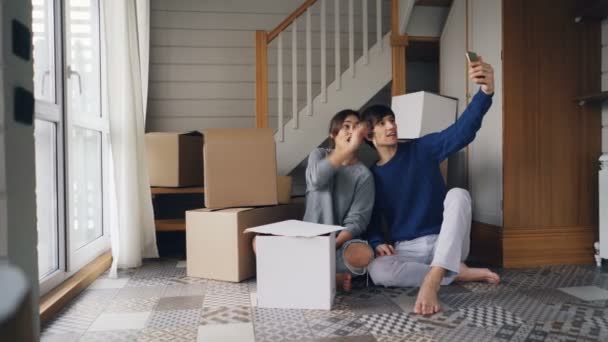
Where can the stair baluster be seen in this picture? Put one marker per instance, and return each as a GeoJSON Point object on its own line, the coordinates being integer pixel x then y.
{"type": "Point", "coordinates": [351, 38]}
{"type": "Point", "coordinates": [323, 55]}
{"type": "Point", "coordinates": [337, 68]}
{"type": "Point", "coordinates": [281, 126]}
{"type": "Point", "coordinates": [319, 94]}
{"type": "Point", "coordinates": [294, 73]}
{"type": "Point", "coordinates": [308, 64]}
{"type": "Point", "coordinates": [365, 31]}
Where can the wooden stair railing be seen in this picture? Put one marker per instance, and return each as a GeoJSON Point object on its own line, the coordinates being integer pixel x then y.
{"type": "Point", "coordinates": [263, 39]}
{"type": "Point", "coordinates": [261, 79]}
{"type": "Point", "coordinates": [398, 45]}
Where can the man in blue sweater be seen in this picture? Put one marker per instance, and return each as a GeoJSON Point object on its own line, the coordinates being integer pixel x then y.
{"type": "Point", "coordinates": [428, 227]}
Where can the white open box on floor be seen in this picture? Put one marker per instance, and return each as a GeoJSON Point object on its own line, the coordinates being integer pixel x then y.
{"type": "Point", "coordinates": [421, 113]}
{"type": "Point", "coordinates": [296, 265]}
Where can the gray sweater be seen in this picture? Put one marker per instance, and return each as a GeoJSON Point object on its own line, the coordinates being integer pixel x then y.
{"type": "Point", "coordinates": [342, 196]}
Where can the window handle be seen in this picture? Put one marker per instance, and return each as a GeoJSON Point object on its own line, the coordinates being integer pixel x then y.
{"type": "Point", "coordinates": [75, 73]}
{"type": "Point", "coordinates": [44, 76]}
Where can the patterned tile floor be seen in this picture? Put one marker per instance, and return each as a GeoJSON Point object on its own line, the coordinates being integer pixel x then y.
{"type": "Point", "coordinates": [158, 302]}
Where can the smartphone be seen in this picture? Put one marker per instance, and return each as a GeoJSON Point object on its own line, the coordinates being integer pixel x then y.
{"type": "Point", "coordinates": [471, 56]}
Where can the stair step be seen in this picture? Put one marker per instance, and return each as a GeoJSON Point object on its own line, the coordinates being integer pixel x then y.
{"type": "Point", "coordinates": [186, 190]}
{"type": "Point", "coordinates": [170, 225]}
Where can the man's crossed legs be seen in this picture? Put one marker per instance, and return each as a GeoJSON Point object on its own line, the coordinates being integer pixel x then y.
{"type": "Point", "coordinates": [434, 260]}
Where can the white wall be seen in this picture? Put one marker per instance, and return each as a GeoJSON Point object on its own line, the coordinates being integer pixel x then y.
{"type": "Point", "coordinates": [19, 157]}
{"type": "Point", "coordinates": [605, 85]}
{"type": "Point", "coordinates": [485, 153]}
{"type": "Point", "coordinates": [202, 61]}
{"type": "Point", "coordinates": [202, 56]}
{"type": "Point", "coordinates": [452, 47]}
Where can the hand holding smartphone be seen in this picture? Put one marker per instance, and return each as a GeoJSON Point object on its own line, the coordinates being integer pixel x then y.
{"type": "Point", "coordinates": [481, 73]}
{"type": "Point", "coordinates": [471, 56]}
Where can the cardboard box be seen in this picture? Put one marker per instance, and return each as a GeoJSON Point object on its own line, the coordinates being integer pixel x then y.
{"type": "Point", "coordinates": [421, 113]}
{"type": "Point", "coordinates": [284, 185]}
{"type": "Point", "coordinates": [296, 265]}
{"type": "Point", "coordinates": [240, 167]}
{"type": "Point", "coordinates": [217, 248]}
{"type": "Point", "coordinates": [175, 159]}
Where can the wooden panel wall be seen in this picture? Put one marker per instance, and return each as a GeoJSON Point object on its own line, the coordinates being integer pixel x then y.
{"type": "Point", "coordinates": [202, 61]}
{"type": "Point", "coordinates": [541, 246]}
{"type": "Point", "coordinates": [551, 145]}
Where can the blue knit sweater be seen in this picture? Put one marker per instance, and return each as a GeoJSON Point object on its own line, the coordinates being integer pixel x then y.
{"type": "Point", "coordinates": [410, 189]}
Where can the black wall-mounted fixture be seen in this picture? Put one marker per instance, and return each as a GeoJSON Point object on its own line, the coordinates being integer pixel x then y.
{"type": "Point", "coordinates": [23, 106]}
{"type": "Point", "coordinates": [22, 40]}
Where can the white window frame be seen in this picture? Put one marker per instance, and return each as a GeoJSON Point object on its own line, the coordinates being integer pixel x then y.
{"type": "Point", "coordinates": [53, 112]}
{"type": "Point", "coordinates": [77, 258]}
{"type": "Point", "coordinates": [72, 260]}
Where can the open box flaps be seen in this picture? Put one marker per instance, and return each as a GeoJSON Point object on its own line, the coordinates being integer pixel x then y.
{"type": "Point", "coordinates": [175, 159]}
{"type": "Point", "coordinates": [236, 135]}
{"type": "Point", "coordinates": [294, 228]}
{"type": "Point", "coordinates": [222, 210]}
{"type": "Point", "coordinates": [295, 265]}
{"type": "Point", "coordinates": [216, 246]}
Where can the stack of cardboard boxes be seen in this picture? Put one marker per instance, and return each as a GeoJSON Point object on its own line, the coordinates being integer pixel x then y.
{"type": "Point", "coordinates": [241, 191]}
{"type": "Point", "coordinates": [175, 164]}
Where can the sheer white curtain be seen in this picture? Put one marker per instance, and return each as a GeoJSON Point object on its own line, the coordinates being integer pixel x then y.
{"type": "Point", "coordinates": [126, 30]}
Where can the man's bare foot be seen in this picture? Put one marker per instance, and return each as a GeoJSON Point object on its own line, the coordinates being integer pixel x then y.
{"type": "Point", "coordinates": [477, 274]}
{"type": "Point", "coordinates": [427, 302]}
{"type": "Point", "coordinates": [344, 281]}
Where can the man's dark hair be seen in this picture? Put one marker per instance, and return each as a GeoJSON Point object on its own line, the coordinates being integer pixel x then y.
{"type": "Point", "coordinates": [375, 113]}
{"type": "Point", "coordinates": [372, 115]}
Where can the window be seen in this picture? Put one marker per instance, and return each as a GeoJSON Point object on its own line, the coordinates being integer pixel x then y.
{"type": "Point", "coordinates": [86, 133]}
{"type": "Point", "coordinates": [71, 138]}
{"type": "Point", "coordinates": [48, 138]}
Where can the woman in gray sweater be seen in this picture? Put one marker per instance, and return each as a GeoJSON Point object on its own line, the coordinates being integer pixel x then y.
{"type": "Point", "coordinates": [340, 191]}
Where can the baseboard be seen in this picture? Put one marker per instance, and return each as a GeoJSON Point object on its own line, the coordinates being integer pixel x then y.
{"type": "Point", "coordinates": [55, 300]}
{"type": "Point", "coordinates": [544, 246]}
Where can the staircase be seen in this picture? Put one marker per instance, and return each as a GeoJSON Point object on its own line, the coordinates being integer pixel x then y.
{"type": "Point", "coordinates": [295, 142]}
{"type": "Point", "coordinates": [358, 71]}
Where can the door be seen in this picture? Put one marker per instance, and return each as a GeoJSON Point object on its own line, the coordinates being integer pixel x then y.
{"type": "Point", "coordinates": [86, 134]}
{"type": "Point", "coordinates": [49, 142]}
{"type": "Point", "coordinates": [70, 138]}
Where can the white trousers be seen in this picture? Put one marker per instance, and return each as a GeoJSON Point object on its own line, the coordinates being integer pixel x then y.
{"type": "Point", "coordinates": [414, 258]}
